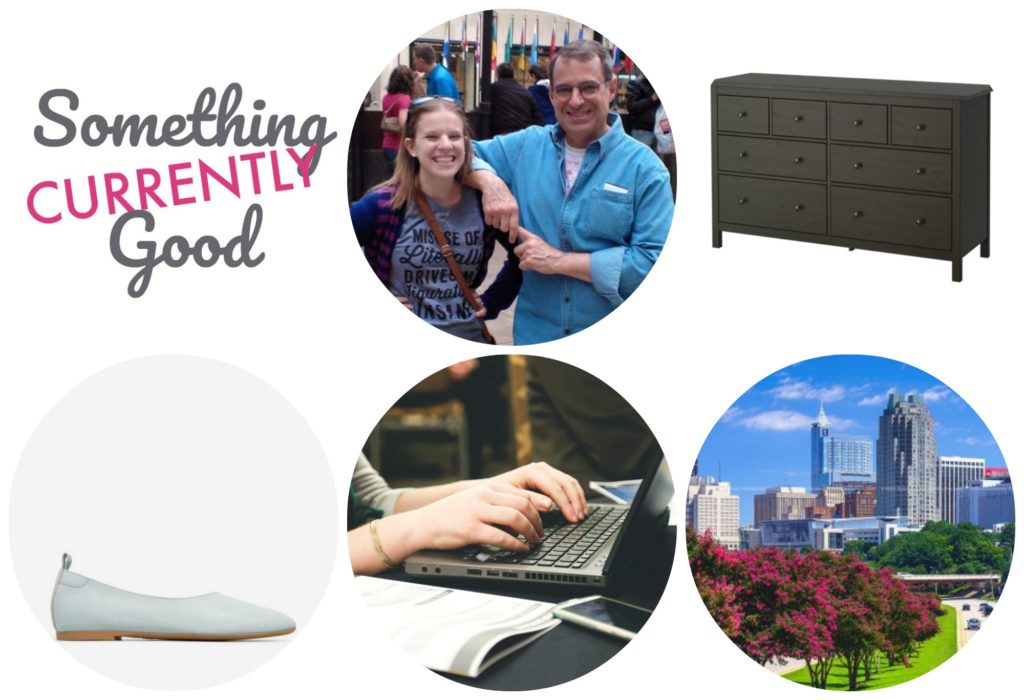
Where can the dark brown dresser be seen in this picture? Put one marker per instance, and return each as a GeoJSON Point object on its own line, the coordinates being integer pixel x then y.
{"type": "Point", "coordinates": [887, 165]}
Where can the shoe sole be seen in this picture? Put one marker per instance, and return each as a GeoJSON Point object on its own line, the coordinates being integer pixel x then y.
{"type": "Point", "coordinates": [116, 635]}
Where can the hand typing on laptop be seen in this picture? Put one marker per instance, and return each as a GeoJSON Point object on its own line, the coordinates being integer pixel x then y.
{"type": "Point", "coordinates": [503, 511]}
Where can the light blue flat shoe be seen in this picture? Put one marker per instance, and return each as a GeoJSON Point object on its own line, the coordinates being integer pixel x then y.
{"type": "Point", "coordinates": [84, 609]}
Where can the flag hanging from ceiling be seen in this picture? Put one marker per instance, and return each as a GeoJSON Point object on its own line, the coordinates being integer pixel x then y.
{"type": "Point", "coordinates": [446, 47]}
{"type": "Point", "coordinates": [508, 40]}
{"type": "Point", "coordinates": [565, 37]}
{"type": "Point", "coordinates": [494, 45]}
{"type": "Point", "coordinates": [521, 59]}
{"type": "Point", "coordinates": [579, 37]}
{"type": "Point", "coordinates": [476, 54]}
{"type": "Point", "coordinates": [533, 49]}
{"type": "Point", "coordinates": [551, 49]}
{"type": "Point", "coordinates": [465, 39]}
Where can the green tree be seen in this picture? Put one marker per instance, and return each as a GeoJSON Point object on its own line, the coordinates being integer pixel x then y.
{"type": "Point", "coordinates": [942, 547]}
{"type": "Point", "coordinates": [863, 549]}
{"type": "Point", "coordinates": [1006, 535]}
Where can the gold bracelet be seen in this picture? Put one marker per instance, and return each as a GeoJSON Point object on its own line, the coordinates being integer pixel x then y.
{"type": "Point", "coordinates": [377, 546]}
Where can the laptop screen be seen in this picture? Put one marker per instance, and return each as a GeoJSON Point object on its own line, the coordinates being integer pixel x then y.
{"type": "Point", "coordinates": [648, 512]}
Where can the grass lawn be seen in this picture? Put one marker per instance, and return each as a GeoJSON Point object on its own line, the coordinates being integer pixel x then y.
{"type": "Point", "coordinates": [931, 654]}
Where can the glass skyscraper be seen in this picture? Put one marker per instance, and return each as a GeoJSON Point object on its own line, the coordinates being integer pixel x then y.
{"type": "Point", "coordinates": [907, 460]}
{"type": "Point", "coordinates": [837, 458]}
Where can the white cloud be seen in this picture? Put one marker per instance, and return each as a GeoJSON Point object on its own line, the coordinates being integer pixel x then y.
{"type": "Point", "coordinates": [937, 393]}
{"type": "Point", "coordinates": [731, 415]}
{"type": "Point", "coordinates": [784, 421]}
{"type": "Point", "coordinates": [790, 389]}
{"type": "Point", "coordinates": [877, 399]}
{"type": "Point", "coordinates": [777, 421]}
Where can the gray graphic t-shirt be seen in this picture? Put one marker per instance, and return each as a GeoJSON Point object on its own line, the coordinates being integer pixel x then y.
{"type": "Point", "coordinates": [420, 273]}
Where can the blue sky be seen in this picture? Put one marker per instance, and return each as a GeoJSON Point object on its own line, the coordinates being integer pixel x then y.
{"type": "Point", "coordinates": [764, 439]}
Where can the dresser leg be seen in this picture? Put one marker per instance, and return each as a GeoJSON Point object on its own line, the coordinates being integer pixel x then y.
{"type": "Point", "coordinates": [851, 249]}
{"type": "Point", "coordinates": [716, 238]}
{"type": "Point", "coordinates": [984, 248]}
{"type": "Point", "coordinates": [958, 269]}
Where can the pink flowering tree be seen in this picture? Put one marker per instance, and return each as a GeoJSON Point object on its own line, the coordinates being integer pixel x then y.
{"type": "Point", "coordinates": [774, 603]}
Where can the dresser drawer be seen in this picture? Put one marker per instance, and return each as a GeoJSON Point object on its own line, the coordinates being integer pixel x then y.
{"type": "Point", "coordinates": [771, 203]}
{"type": "Point", "coordinates": [883, 167]}
{"type": "Point", "coordinates": [923, 127]}
{"type": "Point", "coordinates": [849, 121]}
{"type": "Point", "coordinates": [746, 114]}
{"type": "Point", "coordinates": [772, 157]}
{"type": "Point", "coordinates": [888, 217]}
{"type": "Point", "coordinates": [803, 118]}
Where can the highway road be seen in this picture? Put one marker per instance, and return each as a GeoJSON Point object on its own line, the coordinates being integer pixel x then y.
{"type": "Point", "coordinates": [965, 635]}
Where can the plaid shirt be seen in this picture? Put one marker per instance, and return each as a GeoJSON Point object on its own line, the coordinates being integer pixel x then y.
{"type": "Point", "coordinates": [378, 226]}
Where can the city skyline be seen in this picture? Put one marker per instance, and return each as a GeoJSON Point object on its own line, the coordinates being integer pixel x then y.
{"type": "Point", "coordinates": [762, 439]}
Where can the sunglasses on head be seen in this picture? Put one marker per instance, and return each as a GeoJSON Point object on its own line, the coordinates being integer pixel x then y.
{"type": "Point", "coordinates": [423, 100]}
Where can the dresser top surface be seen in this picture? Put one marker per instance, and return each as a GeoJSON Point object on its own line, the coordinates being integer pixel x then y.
{"type": "Point", "coordinates": [862, 86]}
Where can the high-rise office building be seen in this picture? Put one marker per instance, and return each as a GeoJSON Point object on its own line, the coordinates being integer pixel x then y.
{"type": "Point", "coordinates": [782, 503]}
{"type": "Point", "coordinates": [713, 508]}
{"type": "Point", "coordinates": [907, 460]}
{"type": "Point", "coordinates": [985, 502]}
{"type": "Point", "coordinates": [837, 457]}
{"type": "Point", "coordinates": [954, 473]}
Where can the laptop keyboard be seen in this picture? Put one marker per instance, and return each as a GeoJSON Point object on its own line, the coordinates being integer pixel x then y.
{"type": "Point", "coordinates": [564, 545]}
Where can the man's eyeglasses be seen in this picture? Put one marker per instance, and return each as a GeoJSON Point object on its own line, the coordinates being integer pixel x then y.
{"type": "Point", "coordinates": [427, 98]}
{"type": "Point", "coordinates": [587, 89]}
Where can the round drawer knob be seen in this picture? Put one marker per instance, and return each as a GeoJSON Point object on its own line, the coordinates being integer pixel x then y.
{"type": "Point", "coordinates": [919, 221]}
{"type": "Point", "coordinates": [743, 200]}
{"type": "Point", "coordinates": [858, 165]}
{"type": "Point", "coordinates": [798, 207]}
{"type": "Point", "coordinates": [920, 171]}
{"type": "Point", "coordinates": [742, 154]}
{"type": "Point", "coordinates": [798, 159]}
{"type": "Point", "coordinates": [920, 127]}
{"type": "Point", "coordinates": [857, 213]}
{"type": "Point", "coordinates": [858, 122]}
{"type": "Point", "coordinates": [741, 115]}
{"type": "Point", "coordinates": [798, 118]}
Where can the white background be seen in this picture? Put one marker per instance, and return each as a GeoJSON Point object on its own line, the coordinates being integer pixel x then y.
{"type": "Point", "coordinates": [176, 476]}
{"type": "Point", "coordinates": [315, 324]}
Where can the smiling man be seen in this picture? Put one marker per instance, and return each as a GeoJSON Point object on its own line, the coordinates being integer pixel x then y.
{"type": "Point", "coordinates": [589, 208]}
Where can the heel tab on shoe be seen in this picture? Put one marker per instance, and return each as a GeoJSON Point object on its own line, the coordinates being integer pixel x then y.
{"type": "Point", "coordinates": [66, 562]}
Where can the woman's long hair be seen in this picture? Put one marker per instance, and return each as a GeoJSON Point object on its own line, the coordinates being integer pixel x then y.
{"type": "Point", "coordinates": [407, 168]}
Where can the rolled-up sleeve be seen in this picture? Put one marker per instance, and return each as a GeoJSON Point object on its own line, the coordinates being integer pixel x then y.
{"type": "Point", "coordinates": [616, 272]}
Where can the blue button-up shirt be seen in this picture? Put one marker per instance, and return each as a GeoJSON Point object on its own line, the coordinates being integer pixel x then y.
{"type": "Point", "coordinates": [619, 210]}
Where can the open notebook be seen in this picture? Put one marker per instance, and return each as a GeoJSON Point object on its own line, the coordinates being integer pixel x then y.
{"type": "Point", "coordinates": [454, 631]}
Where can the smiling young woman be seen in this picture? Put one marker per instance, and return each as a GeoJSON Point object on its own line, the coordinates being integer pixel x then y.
{"type": "Point", "coordinates": [397, 237]}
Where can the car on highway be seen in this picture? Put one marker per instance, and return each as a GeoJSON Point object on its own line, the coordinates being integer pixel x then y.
{"type": "Point", "coordinates": [974, 624]}
{"type": "Point", "coordinates": [986, 609]}
{"type": "Point", "coordinates": [965, 606]}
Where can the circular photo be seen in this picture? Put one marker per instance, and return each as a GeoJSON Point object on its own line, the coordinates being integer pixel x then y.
{"type": "Point", "coordinates": [509, 523]}
{"type": "Point", "coordinates": [511, 177]}
{"type": "Point", "coordinates": [156, 509]}
{"type": "Point", "coordinates": [850, 523]}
